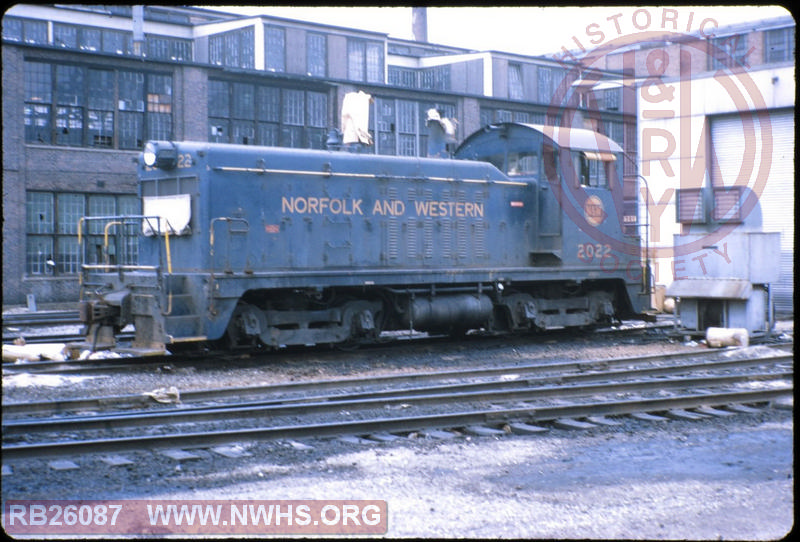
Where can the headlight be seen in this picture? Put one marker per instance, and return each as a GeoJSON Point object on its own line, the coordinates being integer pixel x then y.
{"type": "Point", "coordinates": [149, 154]}
{"type": "Point", "coordinates": [160, 154]}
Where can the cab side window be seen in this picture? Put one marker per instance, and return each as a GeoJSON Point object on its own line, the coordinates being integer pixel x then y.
{"type": "Point", "coordinates": [593, 169]}
{"type": "Point", "coordinates": [523, 164]}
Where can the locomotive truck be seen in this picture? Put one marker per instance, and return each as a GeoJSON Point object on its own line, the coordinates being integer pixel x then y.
{"type": "Point", "coordinates": [522, 229]}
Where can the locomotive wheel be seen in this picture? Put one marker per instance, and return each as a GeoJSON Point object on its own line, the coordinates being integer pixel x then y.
{"type": "Point", "coordinates": [242, 330]}
{"type": "Point", "coordinates": [364, 319]}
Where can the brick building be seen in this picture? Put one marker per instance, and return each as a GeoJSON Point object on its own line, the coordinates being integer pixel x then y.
{"type": "Point", "coordinates": [85, 86]}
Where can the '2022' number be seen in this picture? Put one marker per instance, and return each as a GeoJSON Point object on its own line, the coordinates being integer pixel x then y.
{"type": "Point", "coordinates": [587, 252]}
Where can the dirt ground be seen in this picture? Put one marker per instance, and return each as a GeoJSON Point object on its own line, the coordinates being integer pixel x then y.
{"type": "Point", "coordinates": [718, 478]}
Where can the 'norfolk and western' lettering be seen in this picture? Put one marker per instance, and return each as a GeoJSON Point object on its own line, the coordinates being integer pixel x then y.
{"type": "Point", "coordinates": [381, 207]}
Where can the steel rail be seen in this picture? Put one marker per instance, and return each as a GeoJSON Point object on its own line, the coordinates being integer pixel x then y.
{"type": "Point", "coordinates": [43, 318]}
{"type": "Point", "coordinates": [190, 396]}
{"type": "Point", "coordinates": [479, 393]}
{"type": "Point", "coordinates": [412, 423]}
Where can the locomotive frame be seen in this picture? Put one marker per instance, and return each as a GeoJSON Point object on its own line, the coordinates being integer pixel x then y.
{"type": "Point", "coordinates": [258, 246]}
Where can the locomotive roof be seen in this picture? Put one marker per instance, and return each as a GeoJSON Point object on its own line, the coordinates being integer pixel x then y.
{"type": "Point", "coordinates": [568, 138]}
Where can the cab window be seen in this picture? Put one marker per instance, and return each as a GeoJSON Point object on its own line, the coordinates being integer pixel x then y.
{"type": "Point", "coordinates": [523, 164]}
{"type": "Point", "coordinates": [593, 169]}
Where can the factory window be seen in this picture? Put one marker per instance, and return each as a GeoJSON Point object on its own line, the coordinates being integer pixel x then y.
{"type": "Point", "coordinates": [275, 43]}
{"type": "Point", "coordinates": [494, 116]}
{"type": "Point", "coordinates": [316, 54]}
{"type": "Point", "coordinates": [69, 91]}
{"type": "Point", "coordinates": [727, 52]}
{"type": "Point", "coordinates": [614, 130]}
{"type": "Point", "coordinates": [612, 99]}
{"type": "Point", "coordinates": [12, 29]}
{"type": "Point", "coordinates": [445, 110]}
{"type": "Point", "coordinates": [407, 128]}
{"type": "Point", "coordinates": [436, 78]}
{"type": "Point", "coordinates": [79, 106]}
{"type": "Point", "coordinates": [235, 49]}
{"type": "Point", "coordinates": [25, 30]}
{"type": "Point", "coordinates": [548, 80]}
{"type": "Point", "coordinates": [515, 88]}
{"type": "Point", "coordinates": [166, 48]}
{"type": "Point", "coordinates": [100, 104]}
{"type": "Point", "coordinates": [117, 42]}
{"type": "Point", "coordinates": [399, 126]}
{"type": "Point", "coordinates": [90, 39]}
{"type": "Point", "coordinates": [365, 61]}
{"type": "Point", "coordinates": [52, 229]}
{"type": "Point", "coordinates": [65, 35]}
{"type": "Point", "coordinates": [779, 44]}
{"type": "Point", "coordinates": [38, 100]}
{"type": "Point", "coordinates": [258, 115]}
{"type": "Point", "coordinates": [403, 77]}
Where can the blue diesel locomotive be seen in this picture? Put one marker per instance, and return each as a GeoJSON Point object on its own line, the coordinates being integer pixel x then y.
{"type": "Point", "coordinates": [247, 246]}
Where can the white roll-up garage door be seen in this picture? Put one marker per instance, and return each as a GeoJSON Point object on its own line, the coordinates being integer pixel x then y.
{"type": "Point", "coordinates": [777, 198]}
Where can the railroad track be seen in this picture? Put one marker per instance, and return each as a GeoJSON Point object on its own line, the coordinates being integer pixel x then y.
{"type": "Point", "coordinates": [41, 319]}
{"type": "Point", "coordinates": [566, 390]}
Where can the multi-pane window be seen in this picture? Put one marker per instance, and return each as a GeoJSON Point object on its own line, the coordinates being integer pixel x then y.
{"type": "Point", "coordinates": [268, 115]}
{"type": "Point", "coordinates": [69, 90]}
{"type": "Point", "coordinates": [365, 60]}
{"type": "Point", "coordinates": [407, 127]}
{"type": "Point", "coordinates": [316, 54]}
{"type": "Point", "coordinates": [727, 52]}
{"type": "Point", "coordinates": [117, 42]}
{"type": "Point", "coordinates": [515, 88]}
{"type": "Point", "coordinates": [76, 105]}
{"type": "Point", "coordinates": [435, 78]}
{"type": "Point", "coordinates": [25, 30]}
{"type": "Point", "coordinates": [65, 35]}
{"type": "Point", "coordinates": [494, 116]}
{"type": "Point", "coordinates": [779, 45]}
{"type": "Point", "coordinates": [252, 114]}
{"type": "Point", "coordinates": [399, 125]}
{"type": "Point", "coordinates": [52, 230]}
{"type": "Point", "coordinates": [166, 48]}
{"type": "Point", "coordinates": [100, 114]}
{"type": "Point", "coordinates": [92, 39]}
{"type": "Point", "coordinates": [38, 102]}
{"type": "Point", "coordinates": [403, 77]}
{"type": "Point", "coordinates": [612, 98]}
{"type": "Point", "coordinates": [548, 81]}
{"type": "Point", "coordinates": [445, 110]}
{"type": "Point", "coordinates": [159, 106]}
{"type": "Point", "coordinates": [275, 44]}
{"type": "Point", "coordinates": [235, 48]}
{"type": "Point", "coordinates": [615, 130]}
